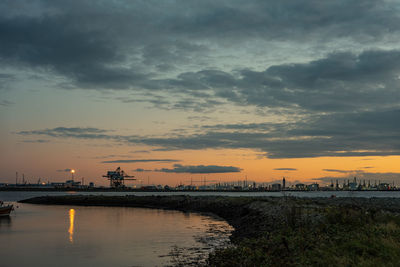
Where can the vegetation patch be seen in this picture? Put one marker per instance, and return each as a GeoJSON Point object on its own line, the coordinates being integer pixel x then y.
{"type": "Point", "coordinates": [342, 236]}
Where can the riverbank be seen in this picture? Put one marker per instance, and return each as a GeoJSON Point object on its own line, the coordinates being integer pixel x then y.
{"type": "Point", "coordinates": [284, 231]}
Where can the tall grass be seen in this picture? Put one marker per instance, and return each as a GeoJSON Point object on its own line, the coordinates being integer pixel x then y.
{"type": "Point", "coordinates": [329, 236]}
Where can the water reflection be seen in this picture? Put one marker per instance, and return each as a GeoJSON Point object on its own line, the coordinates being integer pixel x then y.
{"type": "Point", "coordinates": [71, 225]}
{"type": "Point", "coordinates": [5, 221]}
{"type": "Point", "coordinates": [47, 236]}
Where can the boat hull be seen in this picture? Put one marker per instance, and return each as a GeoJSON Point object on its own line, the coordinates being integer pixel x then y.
{"type": "Point", "coordinates": [5, 211]}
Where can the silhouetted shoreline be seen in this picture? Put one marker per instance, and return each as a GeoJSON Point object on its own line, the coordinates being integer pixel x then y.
{"type": "Point", "coordinates": [109, 189]}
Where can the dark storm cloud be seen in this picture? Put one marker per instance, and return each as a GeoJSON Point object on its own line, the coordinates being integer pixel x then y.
{"type": "Point", "coordinates": [119, 44]}
{"type": "Point", "coordinates": [285, 169]}
{"type": "Point", "coordinates": [341, 81]}
{"type": "Point", "coordinates": [178, 168]}
{"type": "Point", "coordinates": [140, 160]}
{"type": "Point", "coordinates": [337, 82]}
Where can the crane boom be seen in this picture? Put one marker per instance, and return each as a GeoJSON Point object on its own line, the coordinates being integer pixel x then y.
{"type": "Point", "coordinates": [117, 178]}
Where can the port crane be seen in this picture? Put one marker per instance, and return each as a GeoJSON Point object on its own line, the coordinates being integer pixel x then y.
{"type": "Point", "coordinates": [117, 178]}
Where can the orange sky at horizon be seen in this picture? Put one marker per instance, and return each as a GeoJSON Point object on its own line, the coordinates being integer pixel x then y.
{"type": "Point", "coordinates": [46, 161]}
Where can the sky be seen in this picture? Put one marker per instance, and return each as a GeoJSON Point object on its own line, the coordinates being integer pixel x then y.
{"type": "Point", "coordinates": [180, 91]}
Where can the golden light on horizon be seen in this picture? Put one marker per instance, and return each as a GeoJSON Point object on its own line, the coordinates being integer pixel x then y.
{"type": "Point", "coordinates": [71, 225]}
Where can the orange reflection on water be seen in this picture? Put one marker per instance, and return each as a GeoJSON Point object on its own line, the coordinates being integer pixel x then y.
{"type": "Point", "coordinates": [71, 225]}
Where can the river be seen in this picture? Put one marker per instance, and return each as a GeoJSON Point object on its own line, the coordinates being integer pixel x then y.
{"type": "Point", "coordinates": [39, 235]}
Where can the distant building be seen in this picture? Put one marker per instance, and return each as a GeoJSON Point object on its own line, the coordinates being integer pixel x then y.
{"type": "Point", "coordinates": [72, 184]}
{"type": "Point", "coordinates": [313, 187]}
{"type": "Point", "coordinates": [384, 186]}
{"type": "Point", "coordinates": [300, 187]}
{"type": "Point", "coordinates": [276, 187]}
{"type": "Point", "coordinates": [149, 187]}
{"type": "Point", "coordinates": [283, 183]}
{"type": "Point", "coordinates": [353, 186]}
{"type": "Point", "coordinates": [167, 188]}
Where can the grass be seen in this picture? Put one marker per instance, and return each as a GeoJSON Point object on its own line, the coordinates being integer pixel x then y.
{"type": "Point", "coordinates": [341, 236]}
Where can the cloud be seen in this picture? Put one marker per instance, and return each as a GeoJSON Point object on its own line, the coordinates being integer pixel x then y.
{"type": "Point", "coordinates": [140, 160]}
{"type": "Point", "coordinates": [343, 134]}
{"type": "Point", "coordinates": [338, 135]}
{"type": "Point", "coordinates": [5, 80]}
{"type": "Point", "coordinates": [367, 133]}
{"type": "Point", "coordinates": [285, 169]}
{"type": "Point", "coordinates": [199, 118]}
{"type": "Point", "coordinates": [112, 156]}
{"type": "Point", "coordinates": [342, 81]}
{"type": "Point", "coordinates": [120, 45]}
{"type": "Point", "coordinates": [140, 152]}
{"type": "Point", "coordinates": [178, 168]}
{"type": "Point", "coordinates": [64, 170]}
{"type": "Point", "coordinates": [36, 141]}
{"type": "Point", "coordinates": [71, 132]}
{"type": "Point", "coordinates": [100, 52]}
{"type": "Point", "coordinates": [341, 171]}
{"type": "Point", "coordinates": [331, 78]}
{"type": "Point", "coordinates": [141, 170]}
{"type": "Point", "coordinates": [6, 103]}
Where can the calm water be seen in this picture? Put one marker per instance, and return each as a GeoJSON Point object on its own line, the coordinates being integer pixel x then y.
{"type": "Point", "coordinates": [37, 235]}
